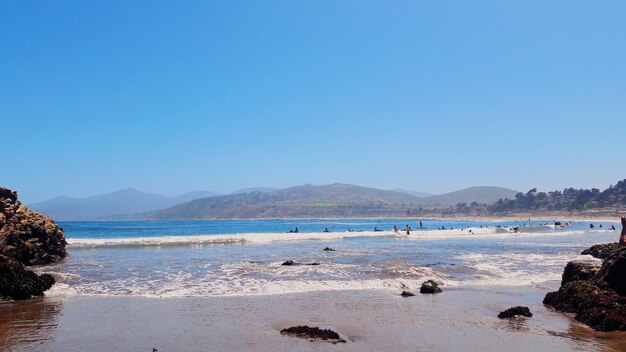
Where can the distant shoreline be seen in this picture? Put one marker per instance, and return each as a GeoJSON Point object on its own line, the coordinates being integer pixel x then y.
{"type": "Point", "coordinates": [520, 217]}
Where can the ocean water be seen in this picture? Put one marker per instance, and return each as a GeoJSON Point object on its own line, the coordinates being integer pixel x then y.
{"type": "Point", "coordinates": [244, 258]}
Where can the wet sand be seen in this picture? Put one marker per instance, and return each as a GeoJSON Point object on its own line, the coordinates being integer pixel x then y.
{"type": "Point", "coordinates": [458, 319]}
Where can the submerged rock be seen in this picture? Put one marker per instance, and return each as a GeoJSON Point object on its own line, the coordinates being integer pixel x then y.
{"type": "Point", "coordinates": [328, 249]}
{"type": "Point", "coordinates": [514, 312]}
{"type": "Point", "coordinates": [430, 286]}
{"type": "Point", "coordinates": [596, 296]}
{"type": "Point", "coordinates": [291, 262]}
{"type": "Point", "coordinates": [313, 333]}
{"type": "Point", "coordinates": [407, 294]}
{"type": "Point", "coordinates": [26, 238]}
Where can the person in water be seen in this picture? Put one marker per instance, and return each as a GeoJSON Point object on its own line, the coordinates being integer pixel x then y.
{"type": "Point", "coordinates": [296, 230]}
{"type": "Point", "coordinates": [395, 228]}
{"type": "Point", "coordinates": [407, 229]}
{"type": "Point", "coordinates": [326, 230]}
{"type": "Point", "coordinates": [612, 228]}
{"type": "Point", "coordinates": [622, 237]}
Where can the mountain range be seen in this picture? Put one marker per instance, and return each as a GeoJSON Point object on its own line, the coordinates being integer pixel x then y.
{"type": "Point", "coordinates": [335, 200]}
{"type": "Point", "coordinates": [125, 201]}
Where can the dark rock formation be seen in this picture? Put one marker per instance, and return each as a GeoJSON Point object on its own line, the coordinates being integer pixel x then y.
{"type": "Point", "coordinates": [313, 333]}
{"type": "Point", "coordinates": [514, 312]}
{"type": "Point", "coordinates": [407, 294]}
{"type": "Point", "coordinates": [26, 238]}
{"type": "Point", "coordinates": [291, 262]}
{"type": "Point", "coordinates": [579, 271]}
{"type": "Point", "coordinates": [596, 296]}
{"type": "Point", "coordinates": [18, 283]}
{"type": "Point", "coordinates": [328, 249]}
{"type": "Point", "coordinates": [430, 286]}
{"type": "Point", "coordinates": [602, 251]}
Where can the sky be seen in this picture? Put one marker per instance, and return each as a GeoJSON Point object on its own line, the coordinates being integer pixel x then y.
{"type": "Point", "coordinates": [432, 96]}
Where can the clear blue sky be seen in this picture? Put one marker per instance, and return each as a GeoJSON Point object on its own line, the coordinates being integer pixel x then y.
{"type": "Point", "coordinates": [169, 97]}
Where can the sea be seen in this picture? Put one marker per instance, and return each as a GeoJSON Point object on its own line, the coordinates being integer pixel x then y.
{"type": "Point", "coordinates": [209, 258]}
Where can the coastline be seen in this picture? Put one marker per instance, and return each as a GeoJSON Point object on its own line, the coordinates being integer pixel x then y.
{"type": "Point", "coordinates": [371, 320]}
{"type": "Point", "coordinates": [486, 218]}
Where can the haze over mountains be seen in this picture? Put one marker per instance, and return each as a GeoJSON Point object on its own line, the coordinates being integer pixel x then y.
{"type": "Point", "coordinates": [125, 201]}
{"type": "Point", "coordinates": [336, 200]}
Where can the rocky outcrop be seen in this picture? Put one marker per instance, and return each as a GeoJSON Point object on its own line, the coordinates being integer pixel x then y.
{"type": "Point", "coordinates": [579, 271]}
{"type": "Point", "coordinates": [602, 251]}
{"type": "Point", "coordinates": [407, 294]}
{"type": "Point", "coordinates": [18, 283]}
{"type": "Point", "coordinates": [313, 333]}
{"type": "Point", "coordinates": [26, 238]}
{"type": "Point", "coordinates": [430, 286]}
{"type": "Point", "coordinates": [596, 294]}
{"type": "Point", "coordinates": [515, 312]}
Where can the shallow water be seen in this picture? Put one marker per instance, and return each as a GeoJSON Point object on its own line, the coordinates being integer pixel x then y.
{"type": "Point", "coordinates": [222, 258]}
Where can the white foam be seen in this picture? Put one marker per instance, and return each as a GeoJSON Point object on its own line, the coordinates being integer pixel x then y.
{"type": "Point", "coordinates": [220, 239]}
{"type": "Point", "coordinates": [262, 238]}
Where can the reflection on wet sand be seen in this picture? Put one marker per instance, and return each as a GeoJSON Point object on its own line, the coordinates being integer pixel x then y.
{"type": "Point", "coordinates": [372, 320]}
{"type": "Point", "coordinates": [27, 323]}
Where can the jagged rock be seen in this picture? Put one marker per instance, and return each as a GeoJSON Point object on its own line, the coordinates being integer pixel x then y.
{"type": "Point", "coordinates": [407, 294]}
{"type": "Point", "coordinates": [514, 312]}
{"type": "Point", "coordinates": [579, 271]}
{"type": "Point", "coordinates": [602, 251]}
{"type": "Point", "coordinates": [613, 272]}
{"type": "Point", "coordinates": [597, 297]}
{"type": "Point", "coordinates": [27, 236]}
{"type": "Point", "coordinates": [289, 262]}
{"type": "Point", "coordinates": [313, 333]}
{"type": "Point", "coordinates": [18, 283]}
{"type": "Point", "coordinates": [430, 286]}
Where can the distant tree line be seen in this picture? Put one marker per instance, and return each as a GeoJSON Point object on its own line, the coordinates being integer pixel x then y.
{"type": "Point", "coordinates": [570, 199]}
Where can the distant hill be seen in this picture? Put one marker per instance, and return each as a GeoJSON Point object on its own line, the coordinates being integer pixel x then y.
{"type": "Point", "coordinates": [126, 201]}
{"type": "Point", "coordinates": [479, 194]}
{"type": "Point", "coordinates": [336, 200]}
{"type": "Point", "coordinates": [254, 189]}
{"type": "Point", "coordinates": [414, 193]}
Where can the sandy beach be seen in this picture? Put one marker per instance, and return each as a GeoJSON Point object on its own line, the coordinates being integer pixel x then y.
{"type": "Point", "coordinates": [458, 319]}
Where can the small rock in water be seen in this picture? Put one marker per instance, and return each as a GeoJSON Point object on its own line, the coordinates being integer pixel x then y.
{"type": "Point", "coordinates": [514, 312]}
{"type": "Point", "coordinates": [328, 249]}
{"type": "Point", "coordinates": [430, 286]}
{"type": "Point", "coordinates": [306, 332]}
{"type": "Point", "coordinates": [291, 262]}
{"type": "Point", "coordinates": [407, 294]}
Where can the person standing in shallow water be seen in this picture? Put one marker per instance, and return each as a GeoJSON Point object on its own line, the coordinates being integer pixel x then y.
{"type": "Point", "coordinates": [622, 237]}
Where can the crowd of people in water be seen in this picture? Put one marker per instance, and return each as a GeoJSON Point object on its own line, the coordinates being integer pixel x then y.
{"type": "Point", "coordinates": [515, 229]}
